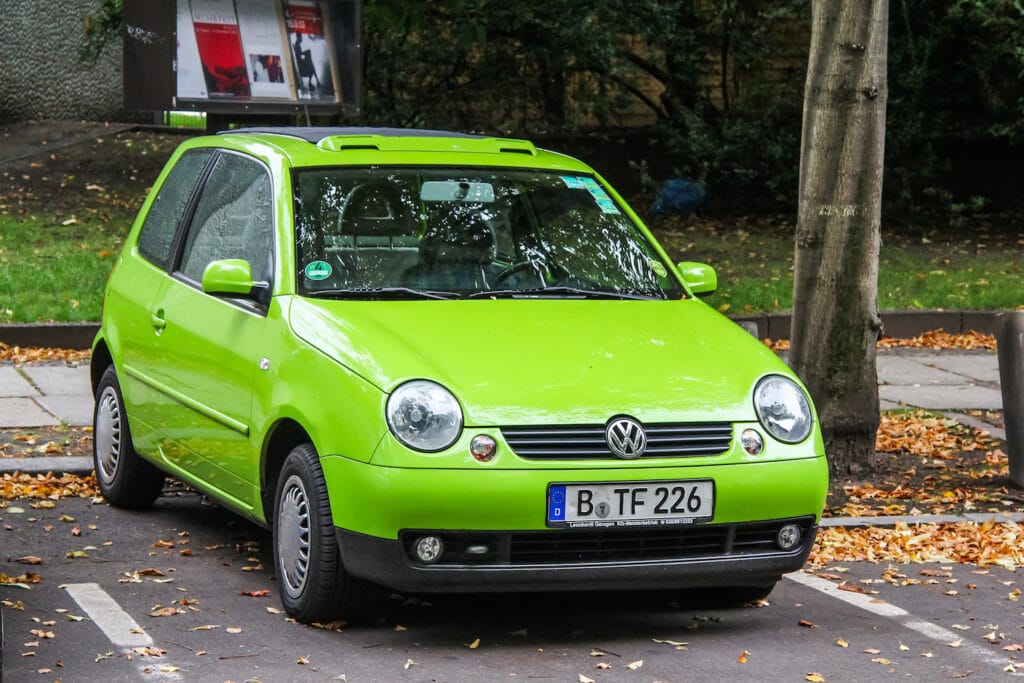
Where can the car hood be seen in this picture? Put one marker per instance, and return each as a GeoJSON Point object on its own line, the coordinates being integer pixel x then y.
{"type": "Point", "coordinates": [549, 361]}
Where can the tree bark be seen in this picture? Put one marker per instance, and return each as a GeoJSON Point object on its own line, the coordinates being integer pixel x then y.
{"type": "Point", "coordinates": [835, 313]}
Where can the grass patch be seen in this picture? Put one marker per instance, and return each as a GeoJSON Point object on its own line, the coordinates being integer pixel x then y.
{"type": "Point", "coordinates": [50, 271]}
{"type": "Point", "coordinates": [754, 261]}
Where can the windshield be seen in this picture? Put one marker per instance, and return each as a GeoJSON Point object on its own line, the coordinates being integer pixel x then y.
{"type": "Point", "coordinates": [430, 233]}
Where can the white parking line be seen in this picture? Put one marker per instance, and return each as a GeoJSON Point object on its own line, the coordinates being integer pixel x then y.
{"type": "Point", "coordinates": [117, 625]}
{"type": "Point", "coordinates": [901, 616]}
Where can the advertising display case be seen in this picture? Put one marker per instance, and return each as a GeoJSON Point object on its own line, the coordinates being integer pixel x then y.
{"type": "Point", "coordinates": [247, 57]}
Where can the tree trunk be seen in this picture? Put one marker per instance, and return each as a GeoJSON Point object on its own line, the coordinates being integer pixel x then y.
{"type": "Point", "coordinates": [835, 311]}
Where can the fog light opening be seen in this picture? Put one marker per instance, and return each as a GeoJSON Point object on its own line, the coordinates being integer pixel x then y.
{"type": "Point", "coordinates": [789, 536]}
{"type": "Point", "coordinates": [483, 448]}
{"type": "Point", "coordinates": [752, 442]}
{"type": "Point", "coordinates": [428, 549]}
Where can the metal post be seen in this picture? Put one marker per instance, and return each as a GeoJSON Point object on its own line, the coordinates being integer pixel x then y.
{"type": "Point", "coordinates": [1010, 345]}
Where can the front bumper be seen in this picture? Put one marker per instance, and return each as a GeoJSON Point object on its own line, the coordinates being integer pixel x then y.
{"type": "Point", "coordinates": [380, 511]}
{"type": "Point", "coordinates": [561, 560]}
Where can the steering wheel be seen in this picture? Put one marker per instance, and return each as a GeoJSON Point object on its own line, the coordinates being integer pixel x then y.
{"type": "Point", "coordinates": [516, 268]}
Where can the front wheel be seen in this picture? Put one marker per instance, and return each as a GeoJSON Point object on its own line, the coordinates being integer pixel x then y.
{"type": "Point", "coordinates": [124, 478]}
{"type": "Point", "coordinates": [314, 584]}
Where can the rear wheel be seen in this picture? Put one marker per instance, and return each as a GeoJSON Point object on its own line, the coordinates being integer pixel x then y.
{"type": "Point", "coordinates": [124, 478]}
{"type": "Point", "coordinates": [314, 584]}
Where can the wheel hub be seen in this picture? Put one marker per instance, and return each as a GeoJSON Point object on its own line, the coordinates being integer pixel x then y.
{"type": "Point", "coordinates": [293, 537]}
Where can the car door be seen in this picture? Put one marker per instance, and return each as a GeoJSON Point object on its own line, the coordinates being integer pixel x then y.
{"type": "Point", "coordinates": [210, 348]}
{"type": "Point", "coordinates": [142, 276]}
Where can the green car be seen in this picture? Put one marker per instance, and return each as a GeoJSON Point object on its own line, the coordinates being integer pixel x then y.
{"type": "Point", "coordinates": [440, 362]}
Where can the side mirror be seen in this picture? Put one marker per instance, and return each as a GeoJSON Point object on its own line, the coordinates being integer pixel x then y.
{"type": "Point", "coordinates": [699, 277]}
{"type": "Point", "coordinates": [231, 277]}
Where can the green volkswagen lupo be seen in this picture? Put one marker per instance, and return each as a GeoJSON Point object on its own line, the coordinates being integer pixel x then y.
{"type": "Point", "coordinates": [443, 362]}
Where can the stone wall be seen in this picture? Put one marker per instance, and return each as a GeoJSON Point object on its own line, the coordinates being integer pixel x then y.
{"type": "Point", "coordinates": [40, 77]}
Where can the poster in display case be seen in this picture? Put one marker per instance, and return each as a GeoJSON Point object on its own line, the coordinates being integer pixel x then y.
{"type": "Point", "coordinates": [243, 56]}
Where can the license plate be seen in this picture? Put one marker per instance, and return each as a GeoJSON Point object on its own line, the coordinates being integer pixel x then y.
{"type": "Point", "coordinates": [631, 503]}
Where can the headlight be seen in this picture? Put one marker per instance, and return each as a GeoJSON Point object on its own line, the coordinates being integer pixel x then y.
{"type": "Point", "coordinates": [783, 409]}
{"type": "Point", "coordinates": [424, 416]}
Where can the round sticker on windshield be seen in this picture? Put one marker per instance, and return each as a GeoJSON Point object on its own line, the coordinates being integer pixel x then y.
{"type": "Point", "coordinates": [659, 268]}
{"type": "Point", "coordinates": [319, 270]}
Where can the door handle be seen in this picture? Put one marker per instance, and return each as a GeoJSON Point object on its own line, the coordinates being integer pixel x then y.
{"type": "Point", "coordinates": [156, 319]}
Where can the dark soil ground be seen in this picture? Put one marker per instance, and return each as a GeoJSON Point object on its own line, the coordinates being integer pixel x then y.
{"type": "Point", "coordinates": [928, 464]}
{"type": "Point", "coordinates": [106, 175]}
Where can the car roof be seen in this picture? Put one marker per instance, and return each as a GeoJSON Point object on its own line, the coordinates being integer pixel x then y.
{"type": "Point", "coordinates": [315, 134]}
{"type": "Point", "coordinates": [313, 146]}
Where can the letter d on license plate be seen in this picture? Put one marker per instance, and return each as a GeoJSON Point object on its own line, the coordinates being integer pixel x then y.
{"type": "Point", "coordinates": [631, 503]}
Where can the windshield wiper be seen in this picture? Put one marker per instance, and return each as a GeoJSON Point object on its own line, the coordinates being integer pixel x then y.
{"type": "Point", "coordinates": [381, 293]}
{"type": "Point", "coordinates": [560, 291]}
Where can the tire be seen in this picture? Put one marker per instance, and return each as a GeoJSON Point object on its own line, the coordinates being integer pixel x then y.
{"type": "Point", "coordinates": [124, 478]}
{"type": "Point", "coordinates": [314, 585]}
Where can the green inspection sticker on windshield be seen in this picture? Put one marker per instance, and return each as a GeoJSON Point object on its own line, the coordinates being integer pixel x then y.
{"type": "Point", "coordinates": [318, 270]}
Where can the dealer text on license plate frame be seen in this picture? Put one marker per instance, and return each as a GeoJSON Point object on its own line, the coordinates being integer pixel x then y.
{"type": "Point", "coordinates": [631, 503]}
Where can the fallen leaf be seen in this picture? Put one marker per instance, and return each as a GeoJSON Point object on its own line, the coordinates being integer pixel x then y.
{"type": "Point", "coordinates": [807, 624]}
{"type": "Point", "coordinates": [164, 612]}
{"type": "Point", "coordinates": [842, 643]}
{"type": "Point", "coordinates": [742, 659]}
{"type": "Point", "coordinates": [302, 661]}
{"type": "Point", "coordinates": [256, 594]}
{"type": "Point", "coordinates": [409, 664]}
{"type": "Point", "coordinates": [474, 645]}
{"type": "Point", "coordinates": [881, 660]}
{"type": "Point", "coordinates": [956, 643]}
{"type": "Point", "coordinates": [585, 679]}
{"type": "Point", "coordinates": [205, 627]}
{"type": "Point", "coordinates": [233, 629]}
{"type": "Point", "coordinates": [72, 554]}
{"type": "Point", "coordinates": [815, 678]}
{"type": "Point", "coordinates": [603, 665]}
{"type": "Point", "coordinates": [633, 666]}
{"type": "Point", "coordinates": [903, 647]}
{"type": "Point", "coordinates": [30, 559]}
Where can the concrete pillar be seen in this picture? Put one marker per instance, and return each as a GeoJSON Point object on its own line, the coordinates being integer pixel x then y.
{"type": "Point", "coordinates": [1010, 345]}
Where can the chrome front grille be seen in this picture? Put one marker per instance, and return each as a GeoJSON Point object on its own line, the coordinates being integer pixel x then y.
{"type": "Point", "coordinates": [577, 442]}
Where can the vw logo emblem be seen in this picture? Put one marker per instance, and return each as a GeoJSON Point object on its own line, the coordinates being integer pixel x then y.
{"type": "Point", "coordinates": [626, 438]}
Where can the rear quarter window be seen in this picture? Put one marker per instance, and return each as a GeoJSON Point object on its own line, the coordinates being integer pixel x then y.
{"type": "Point", "coordinates": [156, 239]}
